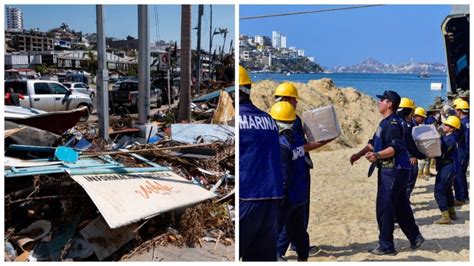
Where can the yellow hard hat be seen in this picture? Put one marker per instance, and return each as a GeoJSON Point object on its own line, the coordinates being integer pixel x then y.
{"type": "Point", "coordinates": [453, 121]}
{"type": "Point", "coordinates": [286, 89]}
{"type": "Point", "coordinates": [283, 111]}
{"type": "Point", "coordinates": [420, 111]}
{"type": "Point", "coordinates": [462, 105]}
{"type": "Point", "coordinates": [456, 101]}
{"type": "Point", "coordinates": [406, 103]}
{"type": "Point", "coordinates": [244, 78]}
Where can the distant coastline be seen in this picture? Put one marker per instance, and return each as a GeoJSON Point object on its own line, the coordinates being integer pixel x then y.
{"type": "Point", "coordinates": [331, 72]}
{"type": "Point", "coordinates": [368, 66]}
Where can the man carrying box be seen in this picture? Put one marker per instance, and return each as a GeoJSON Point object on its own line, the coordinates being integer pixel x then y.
{"type": "Point", "coordinates": [287, 92]}
{"type": "Point", "coordinates": [292, 212]}
{"type": "Point", "coordinates": [387, 150]}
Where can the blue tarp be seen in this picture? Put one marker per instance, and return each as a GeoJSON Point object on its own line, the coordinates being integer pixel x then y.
{"type": "Point", "coordinates": [213, 95]}
{"type": "Point", "coordinates": [101, 165]}
{"type": "Point", "coordinates": [201, 133]}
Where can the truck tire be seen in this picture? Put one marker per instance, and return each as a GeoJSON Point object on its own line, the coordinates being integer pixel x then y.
{"type": "Point", "coordinates": [92, 96]}
{"type": "Point", "coordinates": [159, 102]}
{"type": "Point", "coordinates": [85, 117]}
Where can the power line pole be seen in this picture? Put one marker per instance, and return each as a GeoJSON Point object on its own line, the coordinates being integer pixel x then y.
{"type": "Point", "coordinates": [184, 112]}
{"type": "Point", "coordinates": [223, 31]}
{"type": "Point", "coordinates": [210, 44]}
{"type": "Point", "coordinates": [198, 59]}
{"type": "Point", "coordinates": [102, 77]}
{"type": "Point", "coordinates": [143, 66]}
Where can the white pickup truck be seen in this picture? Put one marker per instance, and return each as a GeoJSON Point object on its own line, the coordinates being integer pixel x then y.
{"type": "Point", "coordinates": [49, 96]}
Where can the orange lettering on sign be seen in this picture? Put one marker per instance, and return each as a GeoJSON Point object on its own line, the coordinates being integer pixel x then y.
{"type": "Point", "coordinates": [152, 187]}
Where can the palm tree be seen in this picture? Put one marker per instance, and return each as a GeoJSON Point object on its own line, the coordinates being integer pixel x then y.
{"type": "Point", "coordinates": [64, 27]}
{"type": "Point", "coordinates": [93, 63]}
{"type": "Point", "coordinates": [184, 111]}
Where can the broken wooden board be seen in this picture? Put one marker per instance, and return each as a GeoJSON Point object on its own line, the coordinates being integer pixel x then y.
{"type": "Point", "coordinates": [225, 110]}
{"type": "Point", "coordinates": [124, 198]}
{"type": "Point", "coordinates": [11, 132]}
{"type": "Point", "coordinates": [104, 240]}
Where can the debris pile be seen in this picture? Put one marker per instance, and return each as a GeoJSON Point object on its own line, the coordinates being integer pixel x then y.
{"type": "Point", "coordinates": [75, 197]}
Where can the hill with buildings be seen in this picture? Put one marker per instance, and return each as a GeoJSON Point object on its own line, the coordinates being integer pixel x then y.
{"type": "Point", "coordinates": [371, 65]}
{"type": "Point", "coordinates": [264, 54]}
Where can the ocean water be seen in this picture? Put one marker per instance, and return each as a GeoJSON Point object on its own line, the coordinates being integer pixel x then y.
{"type": "Point", "coordinates": [407, 85]}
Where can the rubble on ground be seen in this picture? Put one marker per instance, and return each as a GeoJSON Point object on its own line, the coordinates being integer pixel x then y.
{"type": "Point", "coordinates": [79, 229]}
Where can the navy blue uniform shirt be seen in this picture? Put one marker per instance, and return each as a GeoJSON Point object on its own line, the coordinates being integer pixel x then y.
{"type": "Point", "coordinates": [464, 135]}
{"type": "Point", "coordinates": [430, 120]}
{"type": "Point", "coordinates": [260, 167]}
{"type": "Point", "coordinates": [294, 168]}
{"type": "Point", "coordinates": [298, 131]}
{"type": "Point", "coordinates": [449, 153]}
{"type": "Point", "coordinates": [390, 134]}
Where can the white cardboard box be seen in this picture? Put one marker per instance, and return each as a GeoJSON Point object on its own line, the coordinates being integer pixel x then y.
{"type": "Point", "coordinates": [321, 124]}
{"type": "Point", "coordinates": [427, 140]}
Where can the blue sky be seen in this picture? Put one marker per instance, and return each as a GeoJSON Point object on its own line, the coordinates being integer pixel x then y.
{"type": "Point", "coordinates": [122, 20]}
{"type": "Point", "coordinates": [390, 34]}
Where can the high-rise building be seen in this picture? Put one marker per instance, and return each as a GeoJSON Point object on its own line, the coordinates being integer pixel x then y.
{"type": "Point", "coordinates": [14, 19]}
{"type": "Point", "coordinates": [283, 41]}
{"type": "Point", "coordinates": [263, 40]}
{"type": "Point", "coordinates": [276, 39]}
{"type": "Point", "coordinates": [259, 39]}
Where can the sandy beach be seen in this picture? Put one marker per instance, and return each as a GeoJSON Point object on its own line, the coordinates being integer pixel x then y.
{"type": "Point", "coordinates": [342, 216]}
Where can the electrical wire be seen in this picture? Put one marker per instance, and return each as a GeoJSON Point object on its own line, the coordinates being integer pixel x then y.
{"type": "Point", "coordinates": [307, 12]}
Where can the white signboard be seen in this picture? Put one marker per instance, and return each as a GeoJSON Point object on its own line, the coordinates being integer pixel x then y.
{"type": "Point", "coordinates": [164, 60]}
{"type": "Point", "coordinates": [126, 198]}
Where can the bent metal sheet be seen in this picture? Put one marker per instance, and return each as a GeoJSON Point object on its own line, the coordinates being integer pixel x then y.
{"type": "Point", "coordinates": [126, 198]}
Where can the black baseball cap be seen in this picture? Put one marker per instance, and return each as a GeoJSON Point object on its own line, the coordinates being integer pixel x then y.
{"type": "Point", "coordinates": [391, 96]}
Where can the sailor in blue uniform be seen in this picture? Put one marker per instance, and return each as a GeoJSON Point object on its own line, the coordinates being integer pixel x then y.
{"type": "Point", "coordinates": [287, 92]}
{"type": "Point", "coordinates": [294, 179]}
{"type": "Point", "coordinates": [447, 166]}
{"type": "Point", "coordinates": [387, 150]}
{"type": "Point", "coordinates": [260, 180]}
{"type": "Point", "coordinates": [406, 112]}
{"type": "Point", "coordinates": [460, 182]}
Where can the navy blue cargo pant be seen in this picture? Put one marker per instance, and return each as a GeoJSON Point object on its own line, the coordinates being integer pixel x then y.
{"type": "Point", "coordinates": [293, 220]}
{"type": "Point", "coordinates": [460, 181]}
{"type": "Point", "coordinates": [258, 223]}
{"type": "Point", "coordinates": [412, 180]}
{"type": "Point", "coordinates": [443, 187]}
{"type": "Point", "coordinates": [392, 203]}
{"type": "Point", "coordinates": [283, 241]}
